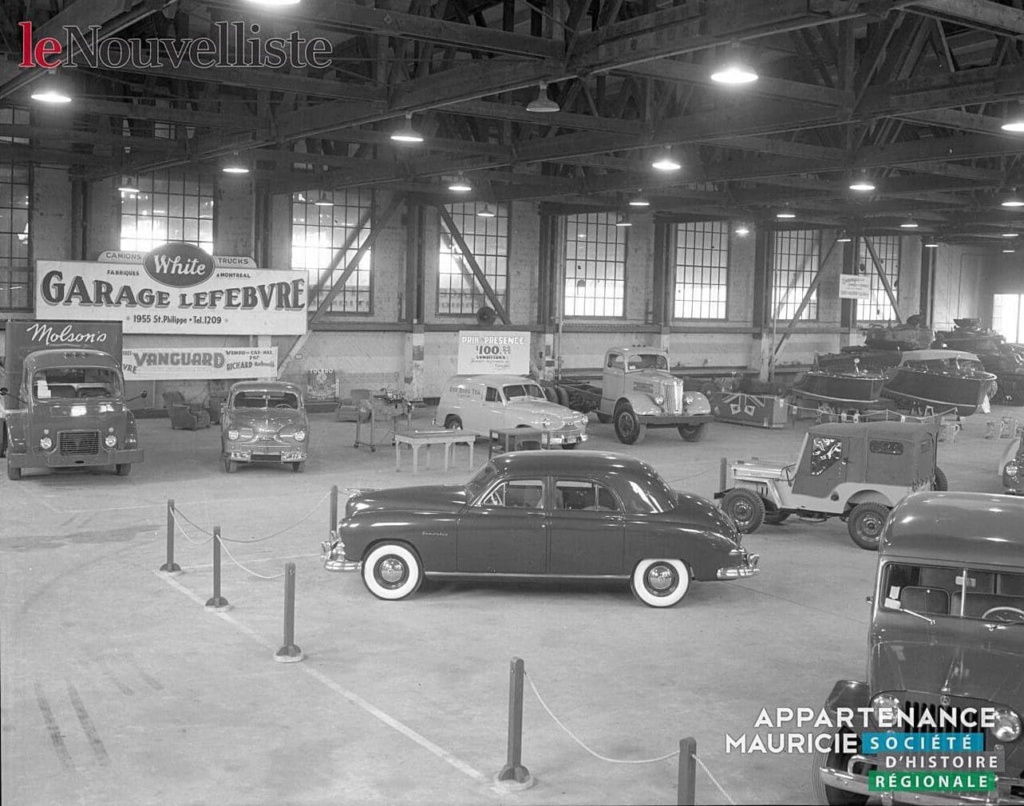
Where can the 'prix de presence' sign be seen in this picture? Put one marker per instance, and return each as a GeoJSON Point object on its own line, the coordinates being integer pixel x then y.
{"type": "Point", "coordinates": [490, 352]}
{"type": "Point", "coordinates": [178, 288]}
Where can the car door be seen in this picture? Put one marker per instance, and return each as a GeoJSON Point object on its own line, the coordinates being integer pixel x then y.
{"type": "Point", "coordinates": [822, 467]}
{"type": "Point", "coordinates": [586, 529]}
{"type": "Point", "coordinates": [505, 530]}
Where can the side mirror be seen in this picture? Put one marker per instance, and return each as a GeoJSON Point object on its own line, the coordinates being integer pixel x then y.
{"type": "Point", "coordinates": [869, 599]}
{"type": "Point", "coordinates": [144, 394]}
{"type": "Point", "coordinates": [3, 390]}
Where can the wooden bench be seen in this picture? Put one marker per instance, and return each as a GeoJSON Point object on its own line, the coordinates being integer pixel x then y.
{"type": "Point", "coordinates": [419, 439]}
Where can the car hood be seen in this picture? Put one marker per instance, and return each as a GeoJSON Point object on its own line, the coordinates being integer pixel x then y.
{"type": "Point", "coordinates": [942, 667]}
{"type": "Point", "coordinates": [543, 408]}
{"type": "Point", "coordinates": [263, 417]}
{"type": "Point", "coordinates": [435, 498]}
{"type": "Point", "coordinates": [704, 514]}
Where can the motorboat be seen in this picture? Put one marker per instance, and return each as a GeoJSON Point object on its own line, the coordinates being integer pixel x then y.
{"type": "Point", "coordinates": [841, 389]}
{"type": "Point", "coordinates": [942, 380]}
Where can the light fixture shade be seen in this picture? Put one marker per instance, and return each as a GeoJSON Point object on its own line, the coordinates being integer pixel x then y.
{"type": "Point", "coordinates": [735, 73]}
{"type": "Point", "coordinates": [407, 134]}
{"type": "Point", "coordinates": [235, 165]}
{"type": "Point", "coordinates": [1012, 199]}
{"type": "Point", "coordinates": [929, 244]}
{"type": "Point", "coordinates": [323, 200]}
{"type": "Point", "coordinates": [487, 212]}
{"type": "Point", "coordinates": [622, 220]}
{"type": "Point", "coordinates": [742, 229]}
{"type": "Point", "coordinates": [862, 183]}
{"type": "Point", "coordinates": [844, 237]}
{"type": "Point", "coordinates": [542, 103]}
{"type": "Point", "coordinates": [1009, 234]}
{"type": "Point", "coordinates": [1015, 120]}
{"type": "Point", "coordinates": [128, 187]}
{"type": "Point", "coordinates": [639, 201]}
{"type": "Point", "coordinates": [460, 185]}
{"type": "Point", "coordinates": [909, 224]}
{"type": "Point", "coordinates": [785, 213]}
{"type": "Point", "coordinates": [51, 90]}
{"type": "Point", "coordinates": [1009, 251]}
{"type": "Point", "coordinates": [666, 162]}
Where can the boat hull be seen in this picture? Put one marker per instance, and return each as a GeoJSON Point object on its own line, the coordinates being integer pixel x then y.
{"type": "Point", "coordinates": [942, 392]}
{"type": "Point", "coordinates": [853, 390]}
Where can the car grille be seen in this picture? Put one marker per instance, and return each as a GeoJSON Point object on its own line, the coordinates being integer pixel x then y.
{"type": "Point", "coordinates": [915, 709]}
{"type": "Point", "coordinates": [674, 398]}
{"type": "Point", "coordinates": [79, 443]}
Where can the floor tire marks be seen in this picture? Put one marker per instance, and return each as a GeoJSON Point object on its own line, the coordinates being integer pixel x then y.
{"type": "Point", "coordinates": [95, 742]}
{"type": "Point", "coordinates": [151, 681]}
{"type": "Point", "coordinates": [56, 734]}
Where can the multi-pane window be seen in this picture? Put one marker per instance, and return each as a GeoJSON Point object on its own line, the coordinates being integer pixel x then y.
{"type": "Point", "coordinates": [887, 249]}
{"type": "Point", "coordinates": [702, 266]}
{"type": "Point", "coordinates": [486, 238]}
{"type": "Point", "coordinates": [1008, 316]}
{"type": "Point", "coordinates": [327, 230]}
{"type": "Point", "coordinates": [15, 268]}
{"type": "Point", "coordinates": [795, 258]}
{"type": "Point", "coordinates": [595, 265]}
{"type": "Point", "coordinates": [170, 206]}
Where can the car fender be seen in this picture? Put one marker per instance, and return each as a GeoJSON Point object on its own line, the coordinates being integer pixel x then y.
{"type": "Point", "coordinates": [17, 431]}
{"type": "Point", "coordinates": [767, 491]}
{"type": "Point", "coordinates": [698, 404]}
{"type": "Point", "coordinates": [866, 496]}
{"type": "Point", "coordinates": [639, 402]}
{"type": "Point", "coordinates": [850, 694]}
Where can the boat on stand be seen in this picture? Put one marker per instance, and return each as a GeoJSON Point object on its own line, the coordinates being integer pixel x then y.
{"type": "Point", "coordinates": [841, 390]}
{"type": "Point", "coordinates": [939, 380]}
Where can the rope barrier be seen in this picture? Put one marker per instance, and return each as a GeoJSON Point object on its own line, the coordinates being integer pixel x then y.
{"type": "Point", "coordinates": [175, 514]}
{"type": "Point", "coordinates": [707, 772]}
{"type": "Point", "coordinates": [247, 570]}
{"type": "Point", "coordinates": [301, 520]}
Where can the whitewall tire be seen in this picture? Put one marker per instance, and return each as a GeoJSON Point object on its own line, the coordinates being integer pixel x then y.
{"type": "Point", "coordinates": [660, 583]}
{"type": "Point", "coordinates": [392, 571]}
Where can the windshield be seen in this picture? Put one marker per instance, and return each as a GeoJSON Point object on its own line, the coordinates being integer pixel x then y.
{"type": "Point", "coordinates": [513, 391]}
{"type": "Point", "coordinates": [479, 482]}
{"type": "Point", "coordinates": [647, 361]}
{"type": "Point", "coordinates": [262, 399]}
{"type": "Point", "coordinates": [70, 383]}
{"type": "Point", "coordinates": [954, 591]}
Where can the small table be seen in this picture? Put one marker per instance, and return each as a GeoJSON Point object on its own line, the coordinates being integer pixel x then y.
{"type": "Point", "coordinates": [513, 439]}
{"type": "Point", "coordinates": [417, 439]}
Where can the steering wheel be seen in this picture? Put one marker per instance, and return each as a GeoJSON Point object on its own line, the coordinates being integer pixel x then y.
{"type": "Point", "coordinates": [282, 406]}
{"type": "Point", "coordinates": [1007, 614]}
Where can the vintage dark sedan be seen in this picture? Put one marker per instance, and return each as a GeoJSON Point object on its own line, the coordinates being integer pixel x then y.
{"type": "Point", "coordinates": [543, 513]}
{"type": "Point", "coordinates": [264, 422]}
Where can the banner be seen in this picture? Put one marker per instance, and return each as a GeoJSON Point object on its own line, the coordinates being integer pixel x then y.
{"type": "Point", "coordinates": [854, 286]}
{"type": "Point", "coordinates": [174, 296]}
{"type": "Point", "coordinates": [494, 352]}
{"type": "Point", "coordinates": [198, 363]}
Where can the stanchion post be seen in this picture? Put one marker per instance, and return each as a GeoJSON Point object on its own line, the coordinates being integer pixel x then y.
{"type": "Point", "coordinates": [216, 602]}
{"type": "Point", "coordinates": [723, 474]}
{"type": "Point", "coordinates": [514, 773]}
{"type": "Point", "coordinates": [170, 566]}
{"type": "Point", "coordinates": [289, 653]}
{"type": "Point", "coordinates": [332, 527]}
{"type": "Point", "coordinates": [686, 793]}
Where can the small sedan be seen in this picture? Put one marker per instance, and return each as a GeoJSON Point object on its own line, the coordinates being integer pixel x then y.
{"type": "Point", "coordinates": [1012, 467]}
{"type": "Point", "coordinates": [543, 513]}
{"type": "Point", "coordinates": [264, 422]}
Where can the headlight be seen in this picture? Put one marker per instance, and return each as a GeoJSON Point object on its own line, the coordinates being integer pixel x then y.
{"type": "Point", "coordinates": [885, 709]}
{"type": "Point", "coordinates": [299, 436]}
{"type": "Point", "coordinates": [46, 443]}
{"type": "Point", "coordinates": [110, 440]}
{"type": "Point", "coordinates": [545, 423]}
{"type": "Point", "coordinates": [1011, 469]}
{"type": "Point", "coordinates": [232, 433]}
{"type": "Point", "coordinates": [1006, 725]}
{"type": "Point", "coordinates": [659, 399]}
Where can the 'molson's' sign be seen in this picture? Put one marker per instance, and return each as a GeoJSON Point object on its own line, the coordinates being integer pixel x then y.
{"type": "Point", "coordinates": [178, 288]}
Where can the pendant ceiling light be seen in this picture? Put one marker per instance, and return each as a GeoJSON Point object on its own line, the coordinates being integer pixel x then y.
{"type": "Point", "coordinates": [742, 230]}
{"type": "Point", "coordinates": [909, 224]}
{"type": "Point", "coordinates": [128, 187]}
{"type": "Point", "coordinates": [844, 237]}
{"type": "Point", "coordinates": [623, 221]}
{"type": "Point", "coordinates": [665, 161]}
{"type": "Point", "coordinates": [785, 213]}
{"type": "Point", "coordinates": [734, 69]}
{"type": "Point", "coordinates": [1015, 120]}
{"type": "Point", "coordinates": [51, 90]}
{"type": "Point", "coordinates": [406, 133]}
{"type": "Point", "coordinates": [931, 244]}
{"type": "Point", "coordinates": [323, 200]}
{"type": "Point", "coordinates": [1012, 199]}
{"type": "Point", "coordinates": [486, 212]}
{"type": "Point", "coordinates": [460, 185]}
{"type": "Point", "coordinates": [542, 103]}
{"type": "Point", "coordinates": [862, 183]}
{"type": "Point", "coordinates": [235, 165]}
{"type": "Point", "coordinates": [639, 201]}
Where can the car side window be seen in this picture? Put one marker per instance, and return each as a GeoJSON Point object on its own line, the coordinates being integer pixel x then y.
{"type": "Point", "coordinates": [491, 395]}
{"type": "Point", "coordinates": [585, 496]}
{"type": "Point", "coordinates": [825, 452]}
{"type": "Point", "coordinates": [516, 494]}
{"type": "Point", "coordinates": [615, 361]}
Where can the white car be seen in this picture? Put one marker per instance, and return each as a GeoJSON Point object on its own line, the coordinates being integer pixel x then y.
{"type": "Point", "coordinates": [479, 403]}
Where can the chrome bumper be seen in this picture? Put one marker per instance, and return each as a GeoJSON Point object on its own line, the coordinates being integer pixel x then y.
{"type": "Point", "coordinates": [851, 782]}
{"type": "Point", "coordinates": [748, 569]}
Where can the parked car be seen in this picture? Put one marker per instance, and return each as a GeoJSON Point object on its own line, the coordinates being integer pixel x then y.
{"type": "Point", "coordinates": [853, 471]}
{"type": "Point", "coordinates": [479, 403]}
{"type": "Point", "coordinates": [264, 422]}
{"type": "Point", "coordinates": [1011, 467]}
{"type": "Point", "coordinates": [543, 513]}
{"type": "Point", "coordinates": [946, 640]}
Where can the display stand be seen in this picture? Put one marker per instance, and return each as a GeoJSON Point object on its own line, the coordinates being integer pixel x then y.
{"type": "Point", "coordinates": [444, 437]}
{"type": "Point", "coordinates": [503, 440]}
{"type": "Point", "coordinates": [386, 408]}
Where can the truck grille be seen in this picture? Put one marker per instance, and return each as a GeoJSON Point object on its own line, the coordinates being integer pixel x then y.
{"type": "Point", "coordinates": [674, 398]}
{"type": "Point", "coordinates": [79, 443]}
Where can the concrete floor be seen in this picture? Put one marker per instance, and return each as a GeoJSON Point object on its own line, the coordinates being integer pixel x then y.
{"type": "Point", "coordinates": [119, 686]}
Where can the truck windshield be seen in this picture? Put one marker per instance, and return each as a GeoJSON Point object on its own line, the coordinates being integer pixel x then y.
{"type": "Point", "coordinates": [70, 383]}
{"type": "Point", "coordinates": [954, 591]}
{"type": "Point", "coordinates": [265, 400]}
{"type": "Point", "coordinates": [647, 361]}
{"type": "Point", "coordinates": [523, 390]}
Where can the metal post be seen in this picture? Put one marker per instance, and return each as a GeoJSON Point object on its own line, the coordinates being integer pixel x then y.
{"type": "Point", "coordinates": [289, 653]}
{"type": "Point", "coordinates": [686, 792]}
{"type": "Point", "coordinates": [332, 527]}
{"type": "Point", "coordinates": [514, 769]}
{"type": "Point", "coordinates": [216, 602]}
{"type": "Point", "coordinates": [170, 566]}
{"type": "Point", "coordinates": [723, 474]}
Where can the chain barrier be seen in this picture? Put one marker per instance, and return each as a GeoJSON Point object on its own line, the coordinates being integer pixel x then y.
{"type": "Point", "coordinates": [247, 570]}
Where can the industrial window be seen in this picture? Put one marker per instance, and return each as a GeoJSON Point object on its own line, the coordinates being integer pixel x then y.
{"type": "Point", "coordinates": [327, 230]}
{"type": "Point", "coordinates": [595, 265]}
{"type": "Point", "coordinates": [887, 248]}
{"type": "Point", "coordinates": [15, 266]}
{"type": "Point", "coordinates": [795, 257]}
{"type": "Point", "coordinates": [170, 206]}
{"type": "Point", "coordinates": [1008, 316]}
{"type": "Point", "coordinates": [486, 237]}
{"type": "Point", "coordinates": [702, 266]}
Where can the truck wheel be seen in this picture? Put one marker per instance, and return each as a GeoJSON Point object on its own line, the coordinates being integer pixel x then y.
{"type": "Point", "coordinates": [123, 470]}
{"type": "Point", "coordinates": [13, 473]}
{"type": "Point", "coordinates": [628, 428]}
{"type": "Point", "coordinates": [745, 507]}
{"type": "Point", "coordinates": [692, 433]}
{"type": "Point", "coordinates": [453, 423]}
{"type": "Point", "coordinates": [940, 482]}
{"type": "Point", "coordinates": [865, 524]}
{"type": "Point", "coordinates": [825, 795]}
{"type": "Point", "coordinates": [603, 418]}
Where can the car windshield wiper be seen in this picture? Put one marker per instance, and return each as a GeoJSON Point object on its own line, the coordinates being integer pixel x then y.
{"type": "Point", "coordinates": [931, 621]}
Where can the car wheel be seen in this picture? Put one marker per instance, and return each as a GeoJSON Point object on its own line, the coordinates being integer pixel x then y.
{"type": "Point", "coordinates": [230, 466]}
{"type": "Point", "coordinates": [603, 418]}
{"type": "Point", "coordinates": [123, 470]}
{"type": "Point", "coordinates": [299, 467]}
{"type": "Point", "coordinates": [865, 524]}
{"type": "Point", "coordinates": [692, 433]}
{"type": "Point", "coordinates": [823, 794]}
{"type": "Point", "coordinates": [660, 583]}
{"type": "Point", "coordinates": [13, 473]}
{"type": "Point", "coordinates": [628, 428]}
{"type": "Point", "coordinates": [775, 518]}
{"type": "Point", "coordinates": [569, 446]}
{"type": "Point", "coordinates": [745, 507]}
{"type": "Point", "coordinates": [940, 482]}
{"type": "Point", "coordinates": [453, 423]}
{"type": "Point", "coordinates": [3, 441]}
{"type": "Point", "coordinates": [392, 571]}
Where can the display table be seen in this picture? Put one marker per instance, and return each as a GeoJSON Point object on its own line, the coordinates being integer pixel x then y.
{"type": "Point", "coordinates": [419, 439]}
{"type": "Point", "coordinates": [516, 439]}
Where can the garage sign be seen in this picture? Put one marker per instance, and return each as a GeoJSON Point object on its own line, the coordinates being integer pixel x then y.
{"type": "Point", "coordinates": [198, 363]}
{"type": "Point", "coordinates": [494, 352]}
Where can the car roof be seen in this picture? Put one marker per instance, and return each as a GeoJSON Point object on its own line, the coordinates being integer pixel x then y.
{"type": "Point", "coordinates": [266, 386]}
{"type": "Point", "coordinates": [937, 355]}
{"type": "Point", "coordinates": [957, 527]}
{"type": "Point", "coordinates": [493, 380]}
{"type": "Point", "coordinates": [71, 357]}
{"type": "Point", "coordinates": [891, 429]}
{"type": "Point", "coordinates": [637, 348]}
{"type": "Point", "coordinates": [582, 462]}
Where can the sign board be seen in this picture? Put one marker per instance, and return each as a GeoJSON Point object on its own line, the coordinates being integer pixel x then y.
{"type": "Point", "coordinates": [494, 352]}
{"type": "Point", "coordinates": [173, 296]}
{"type": "Point", "coordinates": [854, 286]}
{"type": "Point", "coordinates": [136, 258]}
{"type": "Point", "coordinates": [321, 384]}
{"type": "Point", "coordinates": [198, 363]}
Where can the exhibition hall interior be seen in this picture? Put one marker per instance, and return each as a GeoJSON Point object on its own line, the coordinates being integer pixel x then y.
{"type": "Point", "coordinates": [512, 402]}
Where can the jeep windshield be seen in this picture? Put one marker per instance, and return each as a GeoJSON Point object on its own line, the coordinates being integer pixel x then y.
{"type": "Point", "coordinates": [517, 390]}
{"type": "Point", "coordinates": [958, 592]}
{"type": "Point", "coordinates": [646, 361]}
{"type": "Point", "coordinates": [265, 400]}
{"type": "Point", "coordinates": [74, 383]}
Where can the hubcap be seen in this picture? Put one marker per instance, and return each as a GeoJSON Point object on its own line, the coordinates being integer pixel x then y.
{"type": "Point", "coordinates": [661, 579]}
{"type": "Point", "coordinates": [391, 571]}
{"type": "Point", "coordinates": [741, 511]}
{"type": "Point", "coordinates": [871, 526]}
